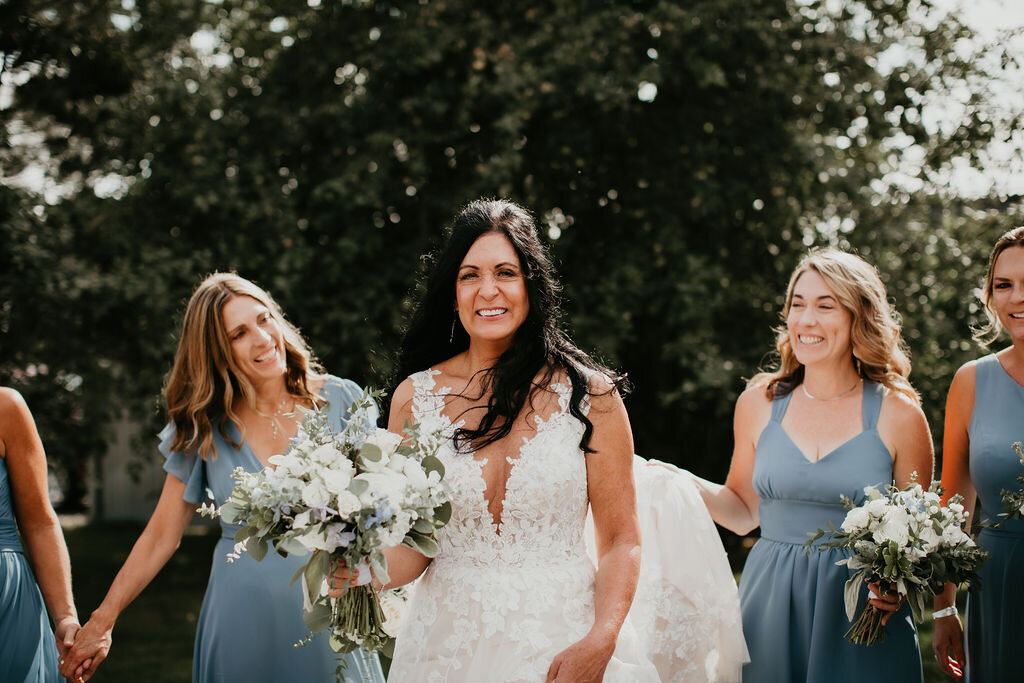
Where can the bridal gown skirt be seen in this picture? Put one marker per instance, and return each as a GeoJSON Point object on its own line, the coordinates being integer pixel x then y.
{"type": "Point", "coordinates": [466, 623]}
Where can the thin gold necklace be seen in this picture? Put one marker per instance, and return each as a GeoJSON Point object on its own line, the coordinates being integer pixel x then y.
{"type": "Point", "coordinates": [832, 398]}
{"type": "Point", "coordinates": [274, 418]}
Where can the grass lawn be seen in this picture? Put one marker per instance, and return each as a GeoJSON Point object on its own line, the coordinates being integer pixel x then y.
{"type": "Point", "coordinates": [154, 635]}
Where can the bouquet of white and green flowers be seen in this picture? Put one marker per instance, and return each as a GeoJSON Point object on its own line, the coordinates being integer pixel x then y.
{"type": "Point", "coordinates": [342, 498]}
{"type": "Point", "coordinates": [905, 538]}
{"type": "Point", "coordinates": [1013, 501]}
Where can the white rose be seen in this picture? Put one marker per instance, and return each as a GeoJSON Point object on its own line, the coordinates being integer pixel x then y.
{"type": "Point", "coordinates": [877, 507]}
{"type": "Point", "coordinates": [894, 527]}
{"type": "Point", "coordinates": [302, 520]}
{"type": "Point", "coordinates": [415, 475]}
{"type": "Point", "coordinates": [326, 455]}
{"type": "Point", "coordinates": [929, 538]}
{"type": "Point", "coordinates": [857, 518]}
{"type": "Point", "coordinates": [314, 494]}
{"type": "Point", "coordinates": [348, 504]}
{"type": "Point", "coordinates": [390, 485]}
{"type": "Point", "coordinates": [953, 535]}
{"type": "Point", "coordinates": [386, 441]}
{"type": "Point", "coordinates": [337, 478]}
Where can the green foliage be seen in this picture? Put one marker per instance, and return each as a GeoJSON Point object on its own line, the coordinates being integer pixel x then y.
{"type": "Point", "coordinates": [320, 150]}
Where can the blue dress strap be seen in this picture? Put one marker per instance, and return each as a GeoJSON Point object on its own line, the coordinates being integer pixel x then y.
{"type": "Point", "coordinates": [871, 404]}
{"type": "Point", "coordinates": [779, 405]}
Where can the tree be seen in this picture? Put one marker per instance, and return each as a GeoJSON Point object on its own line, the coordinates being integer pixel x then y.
{"type": "Point", "coordinates": [679, 158]}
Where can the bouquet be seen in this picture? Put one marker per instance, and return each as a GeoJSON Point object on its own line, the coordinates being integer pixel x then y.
{"type": "Point", "coordinates": [1013, 501]}
{"type": "Point", "coordinates": [342, 497]}
{"type": "Point", "coordinates": [907, 538]}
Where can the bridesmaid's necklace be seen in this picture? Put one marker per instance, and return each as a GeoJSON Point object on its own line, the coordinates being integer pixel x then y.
{"type": "Point", "coordinates": [831, 398]}
{"type": "Point", "coordinates": [275, 424]}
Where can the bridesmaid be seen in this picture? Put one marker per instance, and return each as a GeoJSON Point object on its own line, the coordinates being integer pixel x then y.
{"type": "Point", "coordinates": [836, 415]}
{"type": "Point", "coordinates": [239, 376]}
{"type": "Point", "coordinates": [28, 650]}
{"type": "Point", "coordinates": [984, 417]}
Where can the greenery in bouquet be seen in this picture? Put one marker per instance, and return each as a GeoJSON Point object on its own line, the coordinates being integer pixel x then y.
{"type": "Point", "coordinates": [342, 497]}
{"type": "Point", "coordinates": [1013, 501]}
{"type": "Point", "coordinates": [906, 539]}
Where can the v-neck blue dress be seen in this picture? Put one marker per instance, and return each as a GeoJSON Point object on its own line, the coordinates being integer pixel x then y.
{"type": "Point", "coordinates": [995, 614]}
{"type": "Point", "coordinates": [251, 617]}
{"type": "Point", "coordinates": [794, 614]}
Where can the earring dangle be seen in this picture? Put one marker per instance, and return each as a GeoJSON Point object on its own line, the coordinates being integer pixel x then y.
{"type": "Point", "coordinates": [451, 335]}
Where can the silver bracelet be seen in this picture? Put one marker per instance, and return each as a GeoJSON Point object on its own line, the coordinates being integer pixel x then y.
{"type": "Point", "coordinates": [944, 612]}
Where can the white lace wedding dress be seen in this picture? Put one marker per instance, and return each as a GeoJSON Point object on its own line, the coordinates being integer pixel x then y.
{"type": "Point", "coordinates": [498, 603]}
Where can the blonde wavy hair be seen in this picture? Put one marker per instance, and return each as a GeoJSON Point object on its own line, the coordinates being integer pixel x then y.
{"type": "Point", "coordinates": [879, 352]}
{"type": "Point", "coordinates": [990, 332]}
{"type": "Point", "coordinates": [205, 378]}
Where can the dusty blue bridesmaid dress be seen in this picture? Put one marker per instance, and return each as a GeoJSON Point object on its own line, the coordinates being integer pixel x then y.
{"type": "Point", "coordinates": [28, 652]}
{"type": "Point", "coordinates": [995, 614]}
{"type": "Point", "coordinates": [794, 616]}
{"type": "Point", "coordinates": [251, 616]}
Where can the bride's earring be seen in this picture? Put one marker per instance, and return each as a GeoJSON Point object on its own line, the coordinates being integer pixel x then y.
{"type": "Point", "coordinates": [451, 335]}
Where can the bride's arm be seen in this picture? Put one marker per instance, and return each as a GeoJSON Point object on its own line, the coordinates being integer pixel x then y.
{"type": "Point", "coordinates": [734, 504]}
{"type": "Point", "coordinates": [612, 494]}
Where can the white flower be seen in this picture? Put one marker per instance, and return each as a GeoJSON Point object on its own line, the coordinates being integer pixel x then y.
{"type": "Point", "coordinates": [338, 477]}
{"type": "Point", "coordinates": [389, 485]}
{"type": "Point", "coordinates": [386, 441]}
{"type": "Point", "coordinates": [877, 507]}
{"type": "Point", "coordinates": [894, 527]}
{"type": "Point", "coordinates": [314, 494]}
{"type": "Point", "coordinates": [326, 455]}
{"type": "Point", "coordinates": [929, 538]}
{"type": "Point", "coordinates": [956, 508]}
{"type": "Point", "coordinates": [872, 493]}
{"type": "Point", "coordinates": [953, 535]}
{"type": "Point", "coordinates": [393, 603]}
{"type": "Point", "coordinates": [348, 504]}
{"type": "Point", "coordinates": [857, 518]}
{"type": "Point", "coordinates": [302, 520]}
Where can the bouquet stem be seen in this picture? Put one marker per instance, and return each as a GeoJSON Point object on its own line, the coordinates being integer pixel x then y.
{"type": "Point", "coordinates": [358, 620]}
{"type": "Point", "coordinates": [868, 628]}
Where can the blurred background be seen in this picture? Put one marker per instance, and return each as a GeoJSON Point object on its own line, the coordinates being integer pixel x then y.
{"type": "Point", "coordinates": [680, 158]}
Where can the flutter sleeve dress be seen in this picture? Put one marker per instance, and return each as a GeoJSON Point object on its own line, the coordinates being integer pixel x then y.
{"type": "Point", "coordinates": [251, 617]}
{"type": "Point", "coordinates": [794, 615]}
{"type": "Point", "coordinates": [995, 614]}
{"type": "Point", "coordinates": [28, 651]}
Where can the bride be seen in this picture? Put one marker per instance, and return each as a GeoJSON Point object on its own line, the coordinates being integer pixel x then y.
{"type": "Point", "coordinates": [535, 433]}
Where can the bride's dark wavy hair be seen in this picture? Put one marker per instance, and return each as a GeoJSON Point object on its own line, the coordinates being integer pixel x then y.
{"type": "Point", "coordinates": [539, 347]}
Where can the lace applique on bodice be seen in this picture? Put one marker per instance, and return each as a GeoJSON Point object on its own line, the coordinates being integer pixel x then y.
{"type": "Point", "coordinates": [545, 503]}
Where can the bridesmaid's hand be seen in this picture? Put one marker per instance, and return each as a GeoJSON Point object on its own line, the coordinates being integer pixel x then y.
{"type": "Point", "coordinates": [889, 603]}
{"type": "Point", "coordinates": [582, 662]}
{"type": "Point", "coordinates": [949, 635]}
{"type": "Point", "coordinates": [92, 643]}
{"type": "Point", "coordinates": [65, 632]}
{"type": "Point", "coordinates": [344, 577]}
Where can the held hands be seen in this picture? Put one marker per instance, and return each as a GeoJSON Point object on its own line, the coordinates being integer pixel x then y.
{"type": "Point", "coordinates": [65, 632]}
{"type": "Point", "coordinates": [91, 644]}
{"type": "Point", "coordinates": [889, 603]}
{"type": "Point", "coordinates": [583, 662]}
{"type": "Point", "coordinates": [949, 635]}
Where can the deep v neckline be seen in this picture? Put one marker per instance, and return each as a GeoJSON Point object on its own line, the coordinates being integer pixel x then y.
{"type": "Point", "coordinates": [449, 427]}
{"type": "Point", "coordinates": [803, 455]}
{"type": "Point", "coordinates": [870, 405]}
